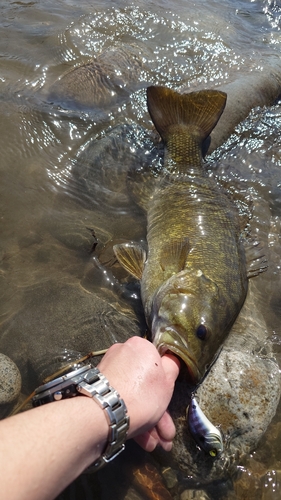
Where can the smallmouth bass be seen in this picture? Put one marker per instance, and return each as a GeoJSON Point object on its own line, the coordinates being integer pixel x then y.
{"type": "Point", "coordinates": [193, 274]}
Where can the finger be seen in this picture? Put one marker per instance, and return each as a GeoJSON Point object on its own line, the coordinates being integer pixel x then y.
{"type": "Point", "coordinates": [150, 439]}
{"type": "Point", "coordinates": [171, 366]}
{"type": "Point", "coordinates": [166, 445]}
{"type": "Point", "coordinates": [166, 428]}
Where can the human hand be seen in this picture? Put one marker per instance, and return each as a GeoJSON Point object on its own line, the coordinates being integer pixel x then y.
{"type": "Point", "coordinates": [146, 382]}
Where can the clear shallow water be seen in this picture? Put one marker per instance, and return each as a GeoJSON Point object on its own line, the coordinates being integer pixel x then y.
{"type": "Point", "coordinates": [47, 208]}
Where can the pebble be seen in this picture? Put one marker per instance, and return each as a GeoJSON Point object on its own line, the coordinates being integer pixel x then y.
{"type": "Point", "coordinates": [10, 380]}
{"type": "Point", "coordinates": [194, 495]}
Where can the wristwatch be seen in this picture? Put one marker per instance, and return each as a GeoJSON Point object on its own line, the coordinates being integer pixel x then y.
{"type": "Point", "coordinates": [89, 381]}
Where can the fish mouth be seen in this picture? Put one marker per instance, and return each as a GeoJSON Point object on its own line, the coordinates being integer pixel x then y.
{"type": "Point", "coordinates": [169, 340]}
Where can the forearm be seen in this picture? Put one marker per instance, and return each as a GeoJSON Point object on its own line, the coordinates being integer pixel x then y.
{"type": "Point", "coordinates": [45, 449]}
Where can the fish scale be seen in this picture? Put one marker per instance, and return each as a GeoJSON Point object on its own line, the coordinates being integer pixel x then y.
{"type": "Point", "coordinates": [182, 151]}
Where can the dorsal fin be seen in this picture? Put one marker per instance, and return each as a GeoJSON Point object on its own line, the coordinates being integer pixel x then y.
{"type": "Point", "coordinates": [199, 111]}
{"type": "Point", "coordinates": [132, 257]}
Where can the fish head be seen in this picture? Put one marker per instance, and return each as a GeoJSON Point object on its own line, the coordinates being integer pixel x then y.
{"type": "Point", "coordinates": [186, 320]}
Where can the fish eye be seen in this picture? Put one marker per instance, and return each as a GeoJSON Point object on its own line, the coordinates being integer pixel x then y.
{"type": "Point", "coordinates": [201, 332]}
{"type": "Point", "coordinates": [213, 453]}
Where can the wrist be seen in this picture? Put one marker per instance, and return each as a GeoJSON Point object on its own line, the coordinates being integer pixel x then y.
{"type": "Point", "coordinates": [95, 385]}
{"type": "Point", "coordinates": [90, 382]}
{"type": "Point", "coordinates": [125, 388]}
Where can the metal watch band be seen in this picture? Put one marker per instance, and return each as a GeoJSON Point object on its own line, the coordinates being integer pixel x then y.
{"type": "Point", "coordinates": [96, 385]}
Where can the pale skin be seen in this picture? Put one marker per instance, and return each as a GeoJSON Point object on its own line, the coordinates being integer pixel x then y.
{"type": "Point", "coordinates": [45, 449]}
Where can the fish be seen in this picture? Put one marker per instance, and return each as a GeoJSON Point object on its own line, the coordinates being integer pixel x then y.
{"type": "Point", "coordinates": [207, 436]}
{"type": "Point", "coordinates": [193, 272]}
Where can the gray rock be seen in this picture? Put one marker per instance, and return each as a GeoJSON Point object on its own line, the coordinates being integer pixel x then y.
{"type": "Point", "coordinates": [194, 495]}
{"type": "Point", "coordinates": [10, 380]}
{"type": "Point", "coordinates": [104, 81]}
{"type": "Point", "coordinates": [257, 88]}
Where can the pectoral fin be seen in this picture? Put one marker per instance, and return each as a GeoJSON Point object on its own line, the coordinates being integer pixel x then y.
{"type": "Point", "coordinates": [132, 257]}
{"type": "Point", "coordinates": [194, 282]}
{"type": "Point", "coordinates": [187, 282]}
{"type": "Point", "coordinates": [175, 254]}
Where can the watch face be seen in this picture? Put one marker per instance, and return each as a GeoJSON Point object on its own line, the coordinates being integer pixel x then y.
{"type": "Point", "coordinates": [60, 388]}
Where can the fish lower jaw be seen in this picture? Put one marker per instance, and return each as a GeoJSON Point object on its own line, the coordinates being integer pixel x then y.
{"type": "Point", "coordinates": [168, 342]}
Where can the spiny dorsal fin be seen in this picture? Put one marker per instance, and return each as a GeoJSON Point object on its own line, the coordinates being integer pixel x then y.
{"type": "Point", "coordinates": [132, 257]}
{"type": "Point", "coordinates": [175, 255]}
{"type": "Point", "coordinates": [198, 110]}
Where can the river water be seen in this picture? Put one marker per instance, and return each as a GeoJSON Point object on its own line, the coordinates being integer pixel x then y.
{"type": "Point", "coordinates": [57, 299]}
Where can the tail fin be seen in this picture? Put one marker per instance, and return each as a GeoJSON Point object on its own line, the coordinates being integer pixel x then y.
{"type": "Point", "coordinates": [200, 110]}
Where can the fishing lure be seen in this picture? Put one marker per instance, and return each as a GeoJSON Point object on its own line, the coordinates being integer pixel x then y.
{"type": "Point", "coordinates": [207, 436]}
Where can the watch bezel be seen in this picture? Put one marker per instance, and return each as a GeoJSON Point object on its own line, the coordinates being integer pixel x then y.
{"type": "Point", "coordinates": [65, 384]}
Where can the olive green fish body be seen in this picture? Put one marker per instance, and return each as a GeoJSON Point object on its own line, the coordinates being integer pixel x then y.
{"type": "Point", "coordinates": [193, 276]}
{"type": "Point", "coordinates": [195, 218]}
{"type": "Point", "coordinates": [195, 272]}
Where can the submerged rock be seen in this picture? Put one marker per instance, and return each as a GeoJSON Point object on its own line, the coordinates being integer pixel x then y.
{"type": "Point", "coordinates": [245, 92]}
{"type": "Point", "coordinates": [104, 81]}
{"type": "Point", "coordinates": [10, 380]}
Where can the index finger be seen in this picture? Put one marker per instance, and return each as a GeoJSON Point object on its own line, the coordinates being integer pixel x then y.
{"type": "Point", "coordinates": [171, 366]}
